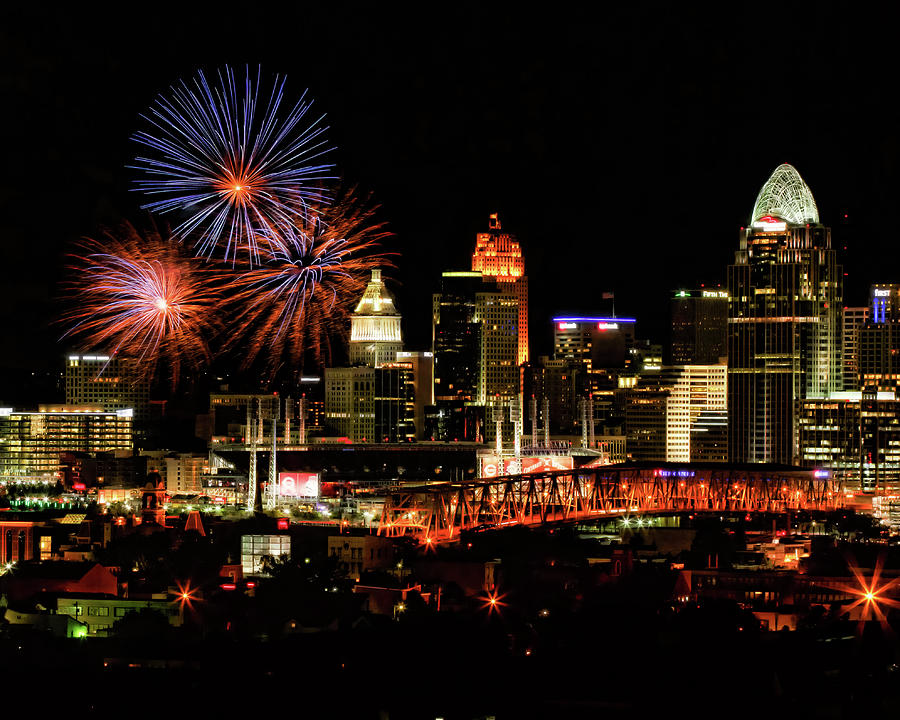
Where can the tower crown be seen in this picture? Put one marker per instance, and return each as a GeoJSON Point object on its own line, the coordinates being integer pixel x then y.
{"type": "Point", "coordinates": [376, 299]}
{"type": "Point", "coordinates": [785, 197]}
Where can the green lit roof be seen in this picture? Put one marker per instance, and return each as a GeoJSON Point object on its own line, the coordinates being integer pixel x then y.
{"type": "Point", "coordinates": [786, 197]}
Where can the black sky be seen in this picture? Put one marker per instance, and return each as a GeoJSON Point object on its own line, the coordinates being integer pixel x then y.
{"type": "Point", "coordinates": [625, 149]}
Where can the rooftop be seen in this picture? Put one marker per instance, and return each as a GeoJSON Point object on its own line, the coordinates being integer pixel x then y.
{"type": "Point", "coordinates": [785, 197]}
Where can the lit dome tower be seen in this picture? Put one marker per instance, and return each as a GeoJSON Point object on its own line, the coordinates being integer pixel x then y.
{"type": "Point", "coordinates": [784, 333]}
{"type": "Point", "coordinates": [375, 336]}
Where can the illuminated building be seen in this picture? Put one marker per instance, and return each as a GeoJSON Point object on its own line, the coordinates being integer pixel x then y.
{"type": "Point", "coordinates": [184, 472]}
{"type": "Point", "coordinates": [475, 339]}
{"type": "Point", "coordinates": [856, 435]}
{"type": "Point", "coordinates": [456, 336]}
{"type": "Point", "coordinates": [597, 342]}
{"type": "Point", "coordinates": [879, 340]}
{"type": "Point", "coordinates": [256, 547]}
{"type": "Point", "coordinates": [369, 404]}
{"type": "Point", "coordinates": [17, 541]}
{"type": "Point", "coordinates": [395, 402]}
{"type": "Point", "coordinates": [498, 257]}
{"type": "Point", "coordinates": [884, 299]}
{"type": "Point", "coordinates": [111, 382]}
{"type": "Point", "coordinates": [784, 301]}
{"type": "Point", "coordinates": [99, 613]}
{"type": "Point", "coordinates": [422, 365]}
{"type": "Point", "coordinates": [375, 335]}
{"type": "Point", "coordinates": [645, 423]}
{"type": "Point", "coordinates": [854, 319]}
{"type": "Point", "coordinates": [696, 413]}
{"type": "Point", "coordinates": [680, 417]}
{"type": "Point", "coordinates": [699, 324]}
{"type": "Point", "coordinates": [360, 553]}
{"type": "Point", "coordinates": [31, 443]}
{"type": "Point", "coordinates": [350, 402]}
{"type": "Point", "coordinates": [498, 374]}
{"type": "Point", "coordinates": [153, 500]}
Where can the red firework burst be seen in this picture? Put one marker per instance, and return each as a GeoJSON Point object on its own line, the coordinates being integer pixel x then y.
{"type": "Point", "coordinates": [301, 298]}
{"type": "Point", "coordinates": [138, 295]}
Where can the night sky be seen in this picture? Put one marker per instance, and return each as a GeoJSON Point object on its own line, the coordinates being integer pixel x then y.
{"type": "Point", "coordinates": [624, 149]}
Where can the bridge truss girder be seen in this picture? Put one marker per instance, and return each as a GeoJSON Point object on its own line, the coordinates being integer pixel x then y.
{"type": "Point", "coordinates": [439, 513]}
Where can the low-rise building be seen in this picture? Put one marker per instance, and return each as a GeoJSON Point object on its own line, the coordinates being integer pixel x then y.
{"type": "Point", "coordinates": [360, 553]}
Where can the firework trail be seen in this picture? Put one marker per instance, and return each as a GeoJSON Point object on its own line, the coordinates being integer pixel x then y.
{"type": "Point", "coordinates": [302, 296]}
{"type": "Point", "coordinates": [137, 294]}
{"type": "Point", "coordinates": [231, 160]}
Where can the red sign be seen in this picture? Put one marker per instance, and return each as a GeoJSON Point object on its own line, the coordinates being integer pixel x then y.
{"type": "Point", "coordinates": [298, 485]}
{"type": "Point", "coordinates": [283, 523]}
{"type": "Point", "coordinates": [492, 467]}
{"type": "Point", "coordinates": [78, 486]}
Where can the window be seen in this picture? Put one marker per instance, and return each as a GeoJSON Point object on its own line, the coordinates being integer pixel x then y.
{"type": "Point", "coordinates": [122, 611]}
{"type": "Point", "coordinates": [98, 611]}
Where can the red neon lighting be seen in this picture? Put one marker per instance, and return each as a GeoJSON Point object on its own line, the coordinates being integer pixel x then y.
{"type": "Point", "coordinates": [228, 586]}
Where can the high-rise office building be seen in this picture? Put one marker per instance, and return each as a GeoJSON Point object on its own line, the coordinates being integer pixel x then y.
{"type": "Point", "coordinates": [784, 301]}
{"type": "Point", "coordinates": [854, 319]}
{"type": "Point", "coordinates": [112, 382]}
{"type": "Point", "coordinates": [498, 375]}
{"type": "Point", "coordinates": [350, 402]}
{"type": "Point", "coordinates": [475, 333]}
{"type": "Point", "coordinates": [696, 410]}
{"type": "Point", "coordinates": [32, 443]}
{"type": "Point", "coordinates": [367, 404]}
{"type": "Point", "coordinates": [699, 325]}
{"type": "Point", "coordinates": [879, 340]}
{"type": "Point", "coordinates": [856, 435]}
{"type": "Point", "coordinates": [498, 256]}
{"type": "Point", "coordinates": [596, 342]}
{"type": "Point", "coordinates": [645, 423]}
{"type": "Point", "coordinates": [456, 337]}
{"type": "Point", "coordinates": [375, 335]}
{"type": "Point", "coordinates": [422, 366]}
{"type": "Point", "coordinates": [395, 402]}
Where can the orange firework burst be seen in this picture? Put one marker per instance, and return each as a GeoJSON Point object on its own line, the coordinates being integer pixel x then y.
{"type": "Point", "coordinates": [302, 296]}
{"type": "Point", "coordinates": [138, 295]}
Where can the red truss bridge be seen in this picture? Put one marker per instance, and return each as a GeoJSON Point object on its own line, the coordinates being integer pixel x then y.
{"type": "Point", "coordinates": [438, 513]}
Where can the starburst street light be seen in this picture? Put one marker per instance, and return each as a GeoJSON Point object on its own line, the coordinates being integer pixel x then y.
{"type": "Point", "coordinates": [186, 595]}
{"type": "Point", "coordinates": [872, 594]}
{"type": "Point", "coordinates": [493, 601]}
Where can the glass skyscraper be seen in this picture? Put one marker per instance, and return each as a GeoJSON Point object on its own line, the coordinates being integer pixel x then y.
{"type": "Point", "coordinates": [784, 321]}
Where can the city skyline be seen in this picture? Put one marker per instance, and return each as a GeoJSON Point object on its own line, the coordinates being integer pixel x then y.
{"type": "Point", "coordinates": [575, 175]}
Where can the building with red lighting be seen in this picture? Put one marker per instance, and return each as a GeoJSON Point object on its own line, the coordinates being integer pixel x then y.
{"type": "Point", "coordinates": [498, 257]}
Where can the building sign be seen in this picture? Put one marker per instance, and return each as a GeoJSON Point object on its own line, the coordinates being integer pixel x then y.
{"type": "Point", "coordinates": [492, 467]}
{"type": "Point", "coordinates": [715, 293]}
{"type": "Point", "coordinates": [298, 485]}
{"type": "Point", "coordinates": [607, 326]}
{"type": "Point", "coordinates": [568, 326]}
{"type": "Point", "coordinates": [882, 293]}
{"type": "Point", "coordinates": [770, 224]}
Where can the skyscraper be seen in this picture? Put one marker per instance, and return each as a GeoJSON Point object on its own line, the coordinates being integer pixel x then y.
{"type": "Point", "coordinates": [854, 319]}
{"type": "Point", "coordinates": [879, 340]}
{"type": "Point", "coordinates": [375, 336]}
{"type": "Point", "coordinates": [785, 295]}
{"type": "Point", "coordinates": [110, 381]}
{"type": "Point", "coordinates": [498, 257]}
{"type": "Point", "coordinates": [699, 322]}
